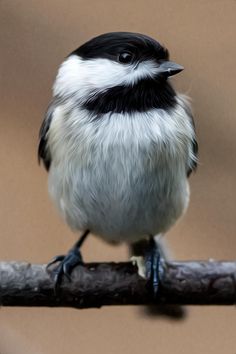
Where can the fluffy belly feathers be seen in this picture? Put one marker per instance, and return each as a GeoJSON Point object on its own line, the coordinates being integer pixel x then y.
{"type": "Point", "coordinates": [120, 198]}
{"type": "Point", "coordinates": [122, 177]}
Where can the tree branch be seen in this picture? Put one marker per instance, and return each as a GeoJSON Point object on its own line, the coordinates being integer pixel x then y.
{"type": "Point", "coordinates": [99, 284]}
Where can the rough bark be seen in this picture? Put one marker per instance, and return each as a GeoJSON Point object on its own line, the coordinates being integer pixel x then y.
{"type": "Point", "coordinates": [99, 284]}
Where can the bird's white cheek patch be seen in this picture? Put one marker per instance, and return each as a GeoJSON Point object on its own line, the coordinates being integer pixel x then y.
{"type": "Point", "coordinates": [83, 77]}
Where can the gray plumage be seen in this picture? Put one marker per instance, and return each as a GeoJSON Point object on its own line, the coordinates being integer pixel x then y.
{"type": "Point", "coordinates": [122, 176]}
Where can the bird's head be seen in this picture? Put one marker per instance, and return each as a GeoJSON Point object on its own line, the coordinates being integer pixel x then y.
{"type": "Point", "coordinates": [113, 60]}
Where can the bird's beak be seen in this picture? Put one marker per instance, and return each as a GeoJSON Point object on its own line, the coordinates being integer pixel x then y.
{"type": "Point", "coordinates": [169, 68]}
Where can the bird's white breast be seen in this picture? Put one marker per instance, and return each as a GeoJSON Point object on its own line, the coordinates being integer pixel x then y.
{"type": "Point", "coordinates": [123, 176]}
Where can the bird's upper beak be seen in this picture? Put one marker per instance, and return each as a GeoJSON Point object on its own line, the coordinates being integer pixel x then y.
{"type": "Point", "coordinates": [169, 68]}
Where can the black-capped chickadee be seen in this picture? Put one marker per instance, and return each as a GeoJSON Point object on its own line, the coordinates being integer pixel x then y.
{"type": "Point", "coordinates": [119, 144]}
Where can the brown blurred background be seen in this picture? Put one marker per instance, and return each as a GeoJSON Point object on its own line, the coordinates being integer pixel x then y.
{"type": "Point", "coordinates": [34, 38]}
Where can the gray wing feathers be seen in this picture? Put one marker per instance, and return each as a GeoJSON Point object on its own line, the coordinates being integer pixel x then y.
{"type": "Point", "coordinates": [192, 166]}
{"type": "Point", "coordinates": [43, 150]}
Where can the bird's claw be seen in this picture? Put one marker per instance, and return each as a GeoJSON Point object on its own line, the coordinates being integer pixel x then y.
{"type": "Point", "coordinates": [65, 267]}
{"type": "Point", "coordinates": [55, 260]}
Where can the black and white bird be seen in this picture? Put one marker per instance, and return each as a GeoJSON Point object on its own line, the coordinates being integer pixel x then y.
{"type": "Point", "coordinates": [119, 144]}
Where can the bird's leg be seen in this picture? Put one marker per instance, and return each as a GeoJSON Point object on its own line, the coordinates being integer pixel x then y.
{"type": "Point", "coordinates": [152, 262]}
{"type": "Point", "coordinates": [146, 256]}
{"type": "Point", "coordinates": [143, 253]}
{"type": "Point", "coordinates": [67, 262]}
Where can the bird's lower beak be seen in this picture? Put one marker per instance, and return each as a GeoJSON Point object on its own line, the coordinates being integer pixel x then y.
{"type": "Point", "coordinates": [169, 68]}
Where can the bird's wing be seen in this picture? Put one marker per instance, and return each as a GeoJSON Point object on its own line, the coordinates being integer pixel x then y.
{"type": "Point", "coordinates": [192, 166]}
{"type": "Point", "coordinates": [193, 155]}
{"type": "Point", "coordinates": [192, 160]}
{"type": "Point", "coordinates": [43, 149]}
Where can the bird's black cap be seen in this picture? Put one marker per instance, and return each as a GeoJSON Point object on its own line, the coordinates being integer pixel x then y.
{"type": "Point", "coordinates": [109, 45]}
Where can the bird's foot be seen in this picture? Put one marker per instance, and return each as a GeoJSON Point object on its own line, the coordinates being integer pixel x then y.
{"type": "Point", "coordinates": [152, 263]}
{"type": "Point", "coordinates": [66, 265]}
{"type": "Point", "coordinates": [67, 262]}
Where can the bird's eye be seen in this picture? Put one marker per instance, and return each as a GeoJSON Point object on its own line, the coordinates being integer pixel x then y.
{"type": "Point", "coordinates": [125, 57]}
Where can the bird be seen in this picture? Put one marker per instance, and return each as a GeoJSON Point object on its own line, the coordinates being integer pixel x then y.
{"type": "Point", "coordinates": [119, 144]}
